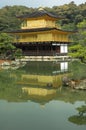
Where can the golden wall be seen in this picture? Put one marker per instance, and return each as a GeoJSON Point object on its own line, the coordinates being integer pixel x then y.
{"type": "Point", "coordinates": [41, 37]}
{"type": "Point", "coordinates": [38, 23]}
{"type": "Point", "coordinates": [34, 24]}
{"type": "Point", "coordinates": [60, 37]}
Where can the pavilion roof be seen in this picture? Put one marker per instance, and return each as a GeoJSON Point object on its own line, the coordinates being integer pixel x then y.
{"type": "Point", "coordinates": [39, 30]}
{"type": "Point", "coordinates": [40, 13]}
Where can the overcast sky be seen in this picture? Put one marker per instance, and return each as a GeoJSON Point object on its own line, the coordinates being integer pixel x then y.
{"type": "Point", "coordinates": [38, 3]}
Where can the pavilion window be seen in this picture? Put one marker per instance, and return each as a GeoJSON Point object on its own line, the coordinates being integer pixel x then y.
{"type": "Point", "coordinates": [63, 48]}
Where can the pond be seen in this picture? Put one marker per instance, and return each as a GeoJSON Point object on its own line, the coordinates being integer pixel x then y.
{"type": "Point", "coordinates": [33, 97]}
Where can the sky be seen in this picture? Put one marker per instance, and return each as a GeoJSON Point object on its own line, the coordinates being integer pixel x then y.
{"type": "Point", "coordinates": [38, 3]}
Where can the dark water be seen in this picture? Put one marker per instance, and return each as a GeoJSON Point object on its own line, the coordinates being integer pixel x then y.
{"type": "Point", "coordinates": [33, 97]}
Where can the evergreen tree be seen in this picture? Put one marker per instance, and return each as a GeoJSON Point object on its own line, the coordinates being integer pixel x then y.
{"type": "Point", "coordinates": [79, 49]}
{"type": "Point", "coordinates": [7, 49]}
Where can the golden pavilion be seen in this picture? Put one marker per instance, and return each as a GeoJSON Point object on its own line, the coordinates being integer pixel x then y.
{"type": "Point", "coordinates": [41, 35]}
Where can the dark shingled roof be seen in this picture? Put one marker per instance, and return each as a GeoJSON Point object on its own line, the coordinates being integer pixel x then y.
{"type": "Point", "coordinates": [37, 30]}
{"type": "Point", "coordinates": [39, 13]}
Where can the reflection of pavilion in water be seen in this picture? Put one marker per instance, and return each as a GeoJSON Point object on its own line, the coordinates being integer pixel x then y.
{"type": "Point", "coordinates": [41, 78]}
{"type": "Point", "coordinates": [31, 82]}
{"type": "Point", "coordinates": [63, 68]}
{"type": "Point", "coordinates": [39, 95]}
{"type": "Point", "coordinates": [53, 80]}
{"type": "Point", "coordinates": [38, 91]}
{"type": "Point", "coordinates": [39, 85]}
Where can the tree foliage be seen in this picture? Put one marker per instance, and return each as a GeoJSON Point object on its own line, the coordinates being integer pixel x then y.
{"type": "Point", "coordinates": [79, 119]}
{"type": "Point", "coordinates": [79, 49]}
{"type": "Point", "coordinates": [71, 13]}
{"type": "Point", "coordinates": [7, 49]}
{"type": "Point", "coordinates": [8, 17]}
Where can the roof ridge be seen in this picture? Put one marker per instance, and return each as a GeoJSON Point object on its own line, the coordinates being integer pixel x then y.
{"type": "Point", "coordinates": [38, 13]}
{"type": "Point", "coordinates": [38, 29]}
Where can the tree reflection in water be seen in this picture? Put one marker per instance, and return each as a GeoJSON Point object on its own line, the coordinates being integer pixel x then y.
{"type": "Point", "coordinates": [79, 119]}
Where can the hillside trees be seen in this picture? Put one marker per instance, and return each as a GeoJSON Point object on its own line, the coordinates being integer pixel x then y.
{"type": "Point", "coordinates": [8, 17]}
{"type": "Point", "coordinates": [79, 49]}
{"type": "Point", "coordinates": [71, 13]}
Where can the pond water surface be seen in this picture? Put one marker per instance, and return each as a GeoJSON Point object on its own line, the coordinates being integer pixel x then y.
{"type": "Point", "coordinates": [33, 97]}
